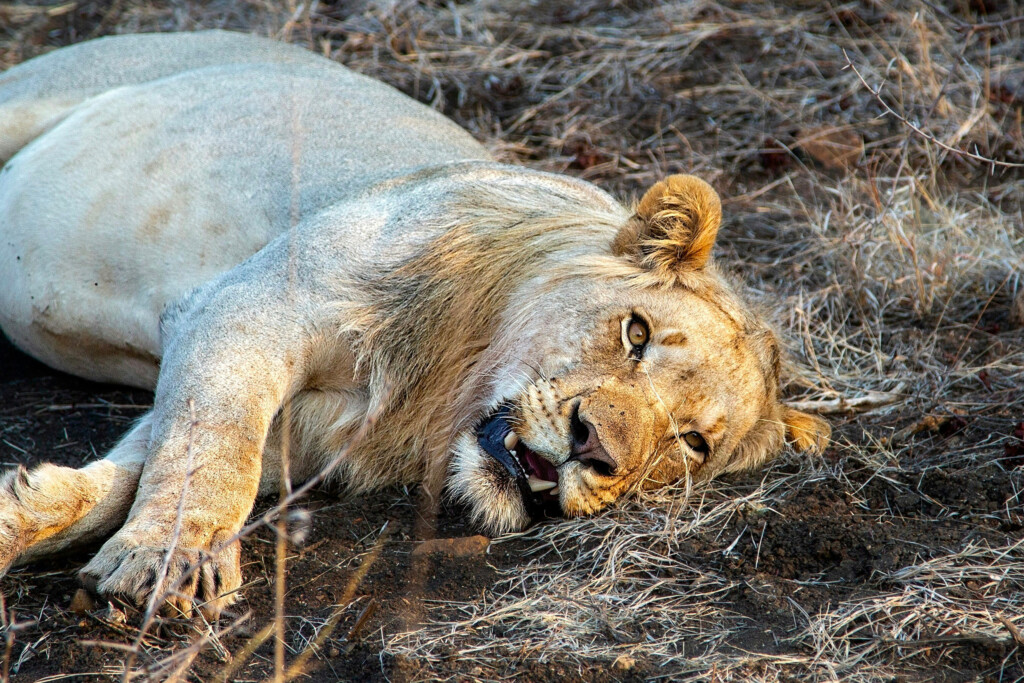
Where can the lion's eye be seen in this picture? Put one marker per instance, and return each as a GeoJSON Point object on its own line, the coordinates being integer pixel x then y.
{"type": "Point", "coordinates": [696, 442]}
{"type": "Point", "coordinates": [637, 332]}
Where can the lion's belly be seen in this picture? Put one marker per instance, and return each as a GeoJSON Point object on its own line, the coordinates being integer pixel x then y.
{"type": "Point", "coordinates": [148, 191]}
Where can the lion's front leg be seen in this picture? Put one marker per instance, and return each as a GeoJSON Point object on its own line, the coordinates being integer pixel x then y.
{"type": "Point", "coordinates": [232, 361]}
{"type": "Point", "coordinates": [179, 540]}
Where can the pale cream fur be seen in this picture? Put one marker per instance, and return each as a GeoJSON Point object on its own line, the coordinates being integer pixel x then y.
{"type": "Point", "coordinates": [285, 250]}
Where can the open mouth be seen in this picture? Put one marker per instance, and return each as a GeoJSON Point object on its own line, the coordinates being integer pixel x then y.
{"type": "Point", "coordinates": [535, 476]}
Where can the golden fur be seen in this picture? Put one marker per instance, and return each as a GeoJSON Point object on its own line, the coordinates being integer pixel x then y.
{"type": "Point", "coordinates": [377, 292]}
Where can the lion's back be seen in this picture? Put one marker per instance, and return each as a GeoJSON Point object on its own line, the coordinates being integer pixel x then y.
{"type": "Point", "coordinates": [38, 94]}
{"type": "Point", "coordinates": [144, 191]}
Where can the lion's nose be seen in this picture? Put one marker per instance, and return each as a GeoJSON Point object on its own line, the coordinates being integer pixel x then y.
{"type": "Point", "coordinates": [586, 446]}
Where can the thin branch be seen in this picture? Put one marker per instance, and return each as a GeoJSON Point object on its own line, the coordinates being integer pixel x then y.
{"type": "Point", "coordinates": [832, 406]}
{"type": "Point", "coordinates": [924, 134]}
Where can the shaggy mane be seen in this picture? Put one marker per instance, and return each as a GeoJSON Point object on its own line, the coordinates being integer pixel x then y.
{"type": "Point", "coordinates": [419, 329]}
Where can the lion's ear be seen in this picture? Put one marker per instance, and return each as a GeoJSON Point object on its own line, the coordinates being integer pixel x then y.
{"type": "Point", "coordinates": [674, 226]}
{"type": "Point", "coordinates": [806, 432]}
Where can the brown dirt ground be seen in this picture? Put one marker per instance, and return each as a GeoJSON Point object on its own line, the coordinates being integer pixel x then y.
{"type": "Point", "coordinates": [838, 534]}
{"type": "Point", "coordinates": [826, 543]}
{"type": "Point", "coordinates": [72, 420]}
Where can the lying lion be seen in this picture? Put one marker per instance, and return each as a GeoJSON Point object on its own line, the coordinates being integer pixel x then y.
{"type": "Point", "coordinates": [301, 260]}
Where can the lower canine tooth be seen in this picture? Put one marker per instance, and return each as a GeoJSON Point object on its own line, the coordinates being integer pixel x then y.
{"type": "Point", "coordinates": [554, 491]}
{"type": "Point", "coordinates": [537, 485]}
{"type": "Point", "coordinates": [511, 439]}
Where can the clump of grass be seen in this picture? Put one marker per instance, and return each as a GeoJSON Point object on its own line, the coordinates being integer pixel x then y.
{"type": "Point", "coordinates": [973, 596]}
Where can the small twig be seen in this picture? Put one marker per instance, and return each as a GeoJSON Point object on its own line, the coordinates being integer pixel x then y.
{"type": "Point", "coordinates": [281, 546]}
{"type": "Point", "coordinates": [8, 640]}
{"type": "Point", "coordinates": [10, 626]}
{"type": "Point", "coordinates": [158, 597]}
{"type": "Point", "coordinates": [179, 662]}
{"type": "Point", "coordinates": [364, 616]}
{"type": "Point", "coordinates": [242, 656]}
{"type": "Point", "coordinates": [298, 667]}
{"type": "Point", "coordinates": [1018, 637]}
{"type": "Point", "coordinates": [841, 404]}
{"type": "Point", "coordinates": [924, 134]}
{"type": "Point", "coordinates": [271, 515]}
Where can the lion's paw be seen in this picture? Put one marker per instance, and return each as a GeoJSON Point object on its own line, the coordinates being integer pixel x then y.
{"type": "Point", "coordinates": [12, 526]}
{"type": "Point", "coordinates": [205, 579]}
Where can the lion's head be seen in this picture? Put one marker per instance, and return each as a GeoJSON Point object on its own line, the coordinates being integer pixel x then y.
{"type": "Point", "coordinates": [635, 367]}
{"type": "Point", "coordinates": [568, 350]}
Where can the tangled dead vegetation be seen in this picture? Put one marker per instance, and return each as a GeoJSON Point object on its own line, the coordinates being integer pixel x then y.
{"type": "Point", "coordinates": [869, 157]}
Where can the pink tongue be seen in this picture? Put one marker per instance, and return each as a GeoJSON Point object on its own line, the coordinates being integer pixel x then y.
{"type": "Point", "coordinates": [540, 467]}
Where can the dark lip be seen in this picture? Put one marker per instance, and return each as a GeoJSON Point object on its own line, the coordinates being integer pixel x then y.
{"type": "Point", "coordinates": [491, 437]}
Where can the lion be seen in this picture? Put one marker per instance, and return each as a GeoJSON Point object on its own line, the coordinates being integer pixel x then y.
{"type": "Point", "coordinates": [312, 270]}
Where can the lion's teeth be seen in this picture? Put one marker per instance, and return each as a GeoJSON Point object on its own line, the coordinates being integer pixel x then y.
{"type": "Point", "coordinates": [511, 439]}
{"type": "Point", "coordinates": [537, 485]}
{"type": "Point", "coordinates": [554, 491]}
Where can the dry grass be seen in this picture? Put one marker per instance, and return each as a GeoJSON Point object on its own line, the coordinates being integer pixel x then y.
{"type": "Point", "coordinates": [868, 154]}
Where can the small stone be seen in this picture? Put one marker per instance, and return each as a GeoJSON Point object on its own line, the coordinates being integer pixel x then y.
{"type": "Point", "coordinates": [334, 653]}
{"type": "Point", "coordinates": [623, 663]}
{"type": "Point", "coordinates": [455, 547]}
{"type": "Point", "coordinates": [82, 602]}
